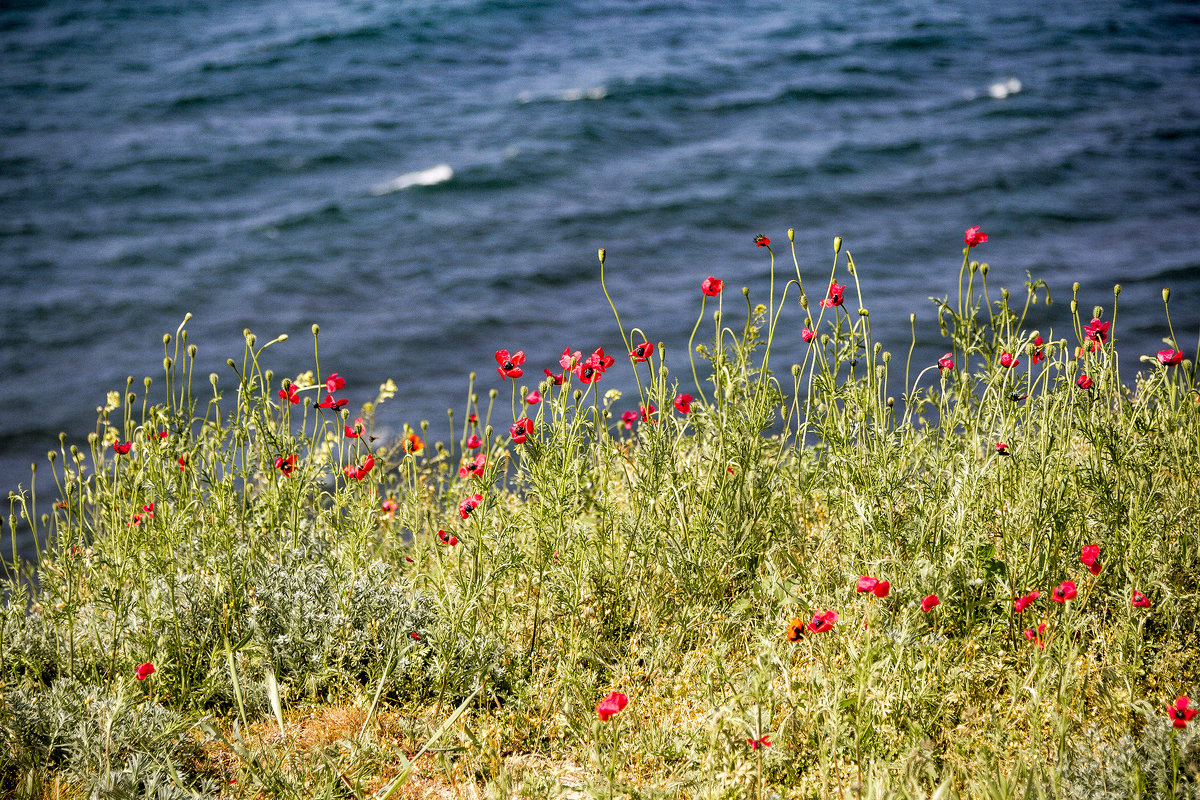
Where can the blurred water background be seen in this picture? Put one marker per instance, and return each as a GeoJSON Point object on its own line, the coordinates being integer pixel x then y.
{"type": "Point", "coordinates": [430, 181]}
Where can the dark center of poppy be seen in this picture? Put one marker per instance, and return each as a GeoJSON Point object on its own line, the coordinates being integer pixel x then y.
{"type": "Point", "coordinates": [1179, 714]}
{"type": "Point", "coordinates": [507, 365]}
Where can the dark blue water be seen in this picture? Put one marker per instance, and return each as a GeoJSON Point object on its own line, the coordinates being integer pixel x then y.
{"type": "Point", "coordinates": [258, 164]}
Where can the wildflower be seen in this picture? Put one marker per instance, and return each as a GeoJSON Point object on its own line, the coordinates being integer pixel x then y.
{"type": "Point", "coordinates": [353, 431]}
{"type": "Point", "coordinates": [1023, 602]}
{"type": "Point", "coordinates": [510, 365]}
{"type": "Point", "coordinates": [1089, 556]}
{"type": "Point", "coordinates": [647, 412]}
{"type": "Point", "coordinates": [613, 704]}
{"type": "Point", "coordinates": [473, 466]}
{"type": "Point", "coordinates": [712, 286]}
{"type": "Point", "coordinates": [1083, 382]}
{"type": "Point", "coordinates": [1008, 361]}
{"type": "Point", "coordinates": [447, 539]}
{"type": "Point", "coordinates": [147, 669]}
{"type": "Point", "coordinates": [182, 462]}
{"type": "Point", "coordinates": [291, 394]}
{"type": "Point", "coordinates": [929, 602]}
{"type": "Point", "coordinates": [1036, 636]}
{"type": "Point", "coordinates": [1169, 358]}
{"type": "Point", "coordinates": [521, 430]}
{"type": "Point", "coordinates": [473, 419]}
{"type": "Point", "coordinates": [946, 363]}
{"type": "Point", "coordinates": [628, 418]}
{"type": "Point", "coordinates": [973, 236]}
{"type": "Point", "coordinates": [589, 373]}
{"type": "Point", "coordinates": [762, 741]}
{"type": "Point", "coordinates": [569, 360]}
{"type": "Point", "coordinates": [873, 585]}
{"type": "Point", "coordinates": [1181, 715]}
{"type": "Point", "coordinates": [366, 468]}
{"type": "Point", "coordinates": [796, 629]}
{"type": "Point", "coordinates": [415, 636]}
{"type": "Point", "coordinates": [1039, 354]}
{"type": "Point", "coordinates": [642, 351]}
{"type": "Point", "coordinates": [1096, 331]}
{"type": "Point", "coordinates": [683, 403]}
{"type": "Point", "coordinates": [533, 398]}
{"type": "Point", "coordinates": [121, 449]}
{"type": "Point", "coordinates": [1139, 600]}
{"type": "Point", "coordinates": [285, 465]}
{"type": "Point", "coordinates": [835, 298]}
{"type": "Point", "coordinates": [1063, 592]}
{"type": "Point", "coordinates": [762, 241]}
{"type": "Point", "coordinates": [389, 508]}
{"type": "Point", "coordinates": [557, 380]}
{"type": "Point", "coordinates": [413, 444]}
{"type": "Point", "coordinates": [822, 621]}
{"type": "Point", "coordinates": [331, 402]}
{"type": "Point", "coordinates": [159, 435]}
{"type": "Point", "coordinates": [473, 441]}
{"type": "Point", "coordinates": [1002, 449]}
{"type": "Point", "coordinates": [334, 382]}
{"type": "Point", "coordinates": [469, 504]}
{"type": "Point", "coordinates": [808, 334]}
{"type": "Point", "coordinates": [598, 359]}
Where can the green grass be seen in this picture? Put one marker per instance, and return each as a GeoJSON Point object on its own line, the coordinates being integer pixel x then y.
{"type": "Point", "coordinates": [311, 641]}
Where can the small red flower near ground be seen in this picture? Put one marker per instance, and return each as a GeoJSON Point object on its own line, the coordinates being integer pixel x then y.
{"type": "Point", "coordinates": [331, 402]}
{"type": "Point", "coordinates": [796, 629]}
{"type": "Point", "coordinates": [1089, 556]}
{"type": "Point", "coordinates": [1008, 361]}
{"type": "Point", "coordinates": [334, 382]}
{"type": "Point", "coordinates": [822, 621]}
{"type": "Point", "coordinates": [473, 441]}
{"type": "Point", "coordinates": [946, 363]}
{"type": "Point", "coordinates": [1083, 382]}
{"type": "Point", "coordinates": [973, 236]}
{"type": "Point", "coordinates": [873, 585]}
{"type": "Point", "coordinates": [510, 365]}
{"type": "Point", "coordinates": [762, 741]}
{"type": "Point", "coordinates": [1023, 602]}
{"type": "Point", "coordinates": [447, 539]}
{"type": "Point", "coordinates": [121, 448]}
{"type": "Point", "coordinates": [808, 334]}
{"type": "Point", "coordinates": [628, 418]}
{"type": "Point", "coordinates": [1181, 715]}
{"type": "Point", "coordinates": [836, 295]}
{"type": "Point", "coordinates": [473, 467]}
{"type": "Point", "coordinates": [285, 465]}
{"type": "Point", "coordinates": [1039, 353]}
{"type": "Point", "coordinates": [712, 286]}
{"type": "Point", "coordinates": [1001, 449]}
{"type": "Point", "coordinates": [762, 241]}
{"type": "Point", "coordinates": [182, 462]}
{"type": "Point", "coordinates": [647, 412]}
{"type": "Point", "coordinates": [291, 394]}
{"type": "Point", "coordinates": [928, 603]}
{"type": "Point", "coordinates": [1139, 600]}
{"type": "Point", "coordinates": [642, 351]}
{"type": "Point", "coordinates": [147, 669]}
{"type": "Point", "coordinates": [683, 403]}
{"type": "Point", "coordinates": [416, 637]}
{"type": "Point", "coordinates": [365, 469]}
{"type": "Point", "coordinates": [533, 398]}
{"type": "Point", "coordinates": [1169, 358]}
{"type": "Point", "coordinates": [1063, 592]}
{"type": "Point", "coordinates": [521, 430]}
{"type": "Point", "coordinates": [413, 444]}
{"type": "Point", "coordinates": [469, 504]}
{"type": "Point", "coordinates": [1036, 636]}
{"type": "Point", "coordinates": [389, 508]}
{"type": "Point", "coordinates": [1096, 331]}
{"type": "Point", "coordinates": [613, 704]}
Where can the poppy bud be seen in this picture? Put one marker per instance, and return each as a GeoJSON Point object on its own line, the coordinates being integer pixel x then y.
{"type": "Point", "coordinates": [316, 329]}
{"type": "Point", "coordinates": [891, 402]}
{"type": "Point", "coordinates": [131, 398]}
{"type": "Point", "coordinates": [795, 370]}
{"type": "Point", "coordinates": [745, 291]}
{"type": "Point", "coordinates": [74, 451]}
{"type": "Point", "coordinates": [577, 395]}
{"type": "Point", "coordinates": [166, 363]}
{"type": "Point", "coordinates": [717, 316]}
{"type": "Point", "coordinates": [269, 374]}
{"type": "Point", "coordinates": [251, 339]}
{"type": "Point", "coordinates": [1166, 295]}
{"type": "Point", "coordinates": [887, 357]}
{"type": "Point", "coordinates": [166, 339]}
{"type": "Point", "coordinates": [862, 312]}
{"type": "Point", "coordinates": [912, 319]}
{"type": "Point", "coordinates": [1075, 288]}
{"type": "Point", "coordinates": [424, 426]}
{"type": "Point", "coordinates": [212, 378]}
{"type": "Point", "coordinates": [1004, 294]}
{"type": "Point", "coordinates": [984, 268]}
{"type": "Point", "coordinates": [804, 302]}
{"type": "Point", "coordinates": [837, 244]}
{"type": "Point", "coordinates": [146, 382]}
{"type": "Point", "coordinates": [231, 363]}
{"type": "Point", "coordinates": [1074, 306]}
{"type": "Point", "coordinates": [1097, 311]}
{"type": "Point", "coordinates": [973, 267]}
{"type": "Point", "coordinates": [53, 456]}
{"type": "Point", "coordinates": [487, 432]}
{"type": "Point", "coordinates": [1116, 291]}
{"type": "Point", "coordinates": [602, 254]}
{"type": "Point", "coordinates": [791, 234]}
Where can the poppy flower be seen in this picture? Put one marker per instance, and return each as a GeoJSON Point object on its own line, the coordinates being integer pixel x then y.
{"type": "Point", "coordinates": [1039, 354]}
{"type": "Point", "coordinates": [533, 398]}
{"type": "Point", "coordinates": [796, 629]}
{"type": "Point", "coordinates": [1023, 602]}
{"type": "Point", "coordinates": [182, 462]}
{"type": "Point", "coordinates": [822, 621]}
{"type": "Point", "coordinates": [521, 430]}
{"type": "Point", "coordinates": [365, 469]}
{"type": "Point", "coordinates": [334, 382]}
{"type": "Point", "coordinates": [808, 334]}
{"type": "Point", "coordinates": [1001, 449]}
{"type": "Point", "coordinates": [628, 418]}
{"type": "Point", "coordinates": [1036, 636]}
{"type": "Point", "coordinates": [1063, 592]}
{"type": "Point", "coordinates": [473, 419]}
{"type": "Point", "coordinates": [1008, 361]}
{"type": "Point", "coordinates": [836, 295]}
{"type": "Point", "coordinates": [973, 236]}
{"type": "Point", "coordinates": [613, 704]}
{"type": "Point", "coordinates": [331, 402]}
{"type": "Point", "coordinates": [873, 585]}
{"type": "Point", "coordinates": [568, 360]}
{"type": "Point", "coordinates": [447, 539]}
{"type": "Point", "coordinates": [291, 394]}
{"type": "Point", "coordinates": [416, 637]}
{"type": "Point", "coordinates": [1181, 715]}
{"type": "Point", "coordinates": [510, 365]}
{"type": "Point", "coordinates": [1169, 358]}
{"type": "Point", "coordinates": [147, 669]}
{"type": "Point", "coordinates": [469, 504]}
{"type": "Point", "coordinates": [712, 286]}
{"type": "Point", "coordinates": [598, 359]}
{"type": "Point", "coordinates": [589, 373]}
{"type": "Point", "coordinates": [762, 741]}
{"type": "Point", "coordinates": [413, 444]}
{"type": "Point", "coordinates": [1089, 556]}
{"type": "Point", "coordinates": [353, 431]}
{"type": "Point", "coordinates": [1083, 382]}
{"type": "Point", "coordinates": [946, 363]}
{"type": "Point", "coordinates": [473, 441]}
{"type": "Point", "coordinates": [159, 435]}
{"type": "Point", "coordinates": [121, 449]}
{"type": "Point", "coordinates": [647, 412]}
{"type": "Point", "coordinates": [1139, 600]}
{"type": "Point", "coordinates": [473, 466]}
{"type": "Point", "coordinates": [389, 508]}
{"type": "Point", "coordinates": [683, 403]}
{"type": "Point", "coordinates": [642, 351]}
{"type": "Point", "coordinates": [929, 602]}
{"type": "Point", "coordinates": [762, 241]}
{"type": "Point", "coordinates": [557, 380]}
{"type": "Point", "coordinates": [1096, 331]}
{"type": "Point", "coordinates": [285, 465]}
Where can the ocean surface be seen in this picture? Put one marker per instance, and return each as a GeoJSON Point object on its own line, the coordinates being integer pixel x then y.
{"type": "Point", "coordinates": [430, 181]}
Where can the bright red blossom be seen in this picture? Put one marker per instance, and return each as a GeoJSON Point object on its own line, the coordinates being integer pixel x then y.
{"type": "Point", "coordinates": [712, 286]}
{"type": "Point", "coordinates": [1036, 636]}
{"type": "Point", "coordinates": [613, 704]}
{"type": "Point", "coordinates": [1008, 361]}
{"type": "Point", "coordinates": [808, 334]}
{"type": "Point", "coordinates": [1083, 382]}
{"type": "Point", "coordinates": [331, 402]}
{"type": "Point", "coordinates": [1001, 449]}
{"type": "Point", "coordinates": [1139, 600]}
{"type": "Point", "coordinates": [762, 241]}
{"type": "Point", "coordinates": [836, 295]}
{"type": "Point", "coordinates": [762, 741]}
{"type": "Point", "coordinates": [334, 382]}
{"type": "Point", "coordinates": [946, 362]}
{"type": "Point", "coordinates": [796, 629]}
{"type": "Point", "coordinates": [557, 380]}
{"type": "Point", "coordinates": [642, 351]}
{"type": "Point", "coordinates": [1089, 556]}
{"type": "Point", "coordinates": [873, 585]}
{"type": "Point", "coordinates": [291, 394]}
{"type": "Point", "coordinates": [521, 430]}
{"type": "Point", "coordinates": [121, 449]}
{"type": "Point", "coordinates": [473, 466]}
{"type": "Point", "coordinates": [822, 621]}
{"type": "Point", "coordinates": [1096, 331]}
{"type": "Point", "coordinates": [473, 441]}
{"type": "Point", "coordinates": [413, 444]}
{"type": "Point", "coordinates": [647, 412]}
{"type": "Point", "coordinates": [683, 403]}
{"type": "Point", "coordinates": [929, 602]}
{"type": "Point", "coordinates": [285, 465]}
{"type": "Point", "coordinates": [1169, 358]}
{"type": "Point", "coordinates": [628, 418]}
{"type": "Point", "coordinates": [533, 398]}
{"type": "Point", "coordinates": [1181, 715]}
{"type": "Point", "coordinates": [147, 669]}
{"type": "Point", "coordinates": [973, 236]}
{"type": "Point", "coordinates": [1022, 603]}
{"type": "Point", "coordinates": [447, 539]}
{"type": "Point", "coordinates": [1039, 353]}
{"type": "Point", "coordinates": [1063, 592]}
{"type": "Point", "coordinates": [469, 504]}
{"type": "Point", "coordinates": [510, 365]}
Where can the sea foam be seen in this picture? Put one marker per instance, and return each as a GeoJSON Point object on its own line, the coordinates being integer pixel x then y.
{"type": "Point", "coordinates": [425, 177]}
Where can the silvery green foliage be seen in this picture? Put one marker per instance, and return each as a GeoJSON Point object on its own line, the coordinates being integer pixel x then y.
{"type": "Point", "coordinates": [295, 615]}
{"type": "Point", "coordinates": [28, 645]}
{"type": "Point", "coordinates": [1159, 761]}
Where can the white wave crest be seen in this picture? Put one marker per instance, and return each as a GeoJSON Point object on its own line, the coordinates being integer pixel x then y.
{"type": "Point", "coordinates": [566, 95]}
{"type": "Point", "coordinates": [1002, 89]}
{"type": "Point", "coordinates": [425, 177]}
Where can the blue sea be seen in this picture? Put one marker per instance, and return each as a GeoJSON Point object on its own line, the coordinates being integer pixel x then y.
{"type": "Point", "coordinates": [430, 181]}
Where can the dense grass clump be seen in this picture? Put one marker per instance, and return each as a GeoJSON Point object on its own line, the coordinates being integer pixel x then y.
{"type": "Point", "coordinates": [857, 576]}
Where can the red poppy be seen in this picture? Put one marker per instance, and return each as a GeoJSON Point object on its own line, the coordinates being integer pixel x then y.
{"type": "Point", "coordinates": [1181, 715]}
{"type": "Point", "coordinates": [808, 334]}
{"type": "Point", "coordinates": [413, 444]}
{"type": "Point", "coordinates": [628, 418]}
{"type": "Point", "coordinates": [331, 402]}
{"type": "Point", "coordinates": [285, 465]}
{"type": "Point", "coordinates": [147, 669]}
{"type": "Point", "coordinates": [683, 403]}
{"type": "Point", "coordinates": [1096, 331]}
{"type": "Point", "coordinates": [1169, 358]}
{"type": "Point", "coordinates": [510, 365]}
{"type": "Point", "coordinates": [712, 286]}
{"type": "Point", "coordinates": [473, 419]}
{"type": "Point", "coordinates": [835, 298]}
{"type": "Point", "coordinates": [598, 359]}
{"type": "Point", "coordinates": [1001, 449]}
{"type": "Point", "coordinates": [159, 435]}
{"type": "Point", "coordinates": [929, 602]}
{"type": "Point", "coordinates": [1023, 602]}
{"type": "Point", "coordinates": [569, 361]}
{"type": "Point", "coordinates": [469, 504]}
{"type": "Point", "coordinates": [973, 236]}
{"type": "Point", "coordinates": [416, 637]}
{"type": "Point", "coordinates": [122, 449]}
{"type": "Point", "coordinates": [533, 398]}
{"type": "Point", "coordinates": [557, 380]}
{"type": "Point", "coordinates": [613, 704]}
{"type": "Point", "coordinates": [1063, 592]}
{"type": "Point", "coordinates": [447, 539]}
{"type": "Point", "coordinates": [291, 394]}
{"type": "Point", "coordinates": [762, 741]}
{"type": "Point", "coordinates": [642, 352]}
{"type": "Point", "coordinates": [1036, 636]}
{"type": "Point", "coordinates": [647, 412]}
{"type": "Point", "coordinates": [796, 629]}
{"type": "Point", "coordinates": [473, 466]}
{"type": "Point", "coordinates": [334, 382]}
{"type": "Point", "coordinates": [1089, 556]}
{"type": "Point", "coordinates": [473, 441]}
{"type": "Point", "coordinates": [1139, 600]}
{"type": "Point", "coordinates": [389, 508]}
{"type": "Point", "coordinates": [1083, 382]}
{"type": "Point", "coordinates": [589, 373]}
{"type": "Point", "coordinates": [1008, 361]}
{"type": "Point", "coordinates": [946, 362]}
{"type": "Point", "coordinates": [365, 469]}
{"type": "Point", "coordinates": [1039, 354]}
{"type": "Point", "coordinates": [353, 431]}
{"type": "Point", "coordinates": [822, 621]}
{"type": "Point", "coordinates": [873, 585]}
{"type": "Point", "coordinates": [182, 462]}
{"type": "Point", "coordinates": [521, 430]}
{"type": "Point", "coordinates": [762, 241]}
